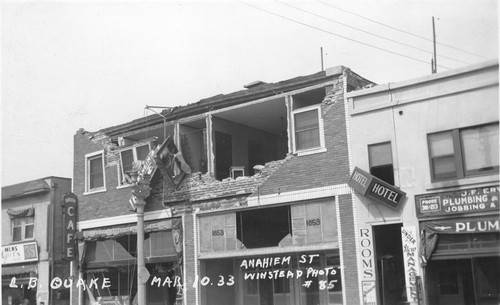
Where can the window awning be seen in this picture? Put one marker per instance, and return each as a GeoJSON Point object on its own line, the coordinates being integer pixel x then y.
{"type": "Point", "coordinates": [128, 229]}
{"type": "Point", "coordinates": [14, 213]}
{"type": "Point", "coordinates": [19, 270]}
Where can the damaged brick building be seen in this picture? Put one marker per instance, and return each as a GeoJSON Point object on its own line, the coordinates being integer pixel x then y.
{"type": "Point", "coordinates": [259, 212]}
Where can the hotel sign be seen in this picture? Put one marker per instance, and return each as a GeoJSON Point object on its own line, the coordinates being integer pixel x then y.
{"type": "Point", "coordinates": [19, 253]}
{"type": "Point", "coordinates": [474, 200]}
{"type": "Point", "coordinates": [376, 189]}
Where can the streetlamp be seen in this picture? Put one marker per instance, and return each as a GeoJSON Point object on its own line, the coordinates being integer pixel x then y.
{"type": "Point", "coordinates": [140, 191]}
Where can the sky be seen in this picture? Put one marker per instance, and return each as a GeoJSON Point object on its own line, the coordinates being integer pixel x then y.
{"type": "Point", "coordinates": [72, 64]}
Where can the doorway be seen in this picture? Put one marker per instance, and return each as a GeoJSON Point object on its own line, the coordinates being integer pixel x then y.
{"type": "Point", "coordinates": [390, 264]}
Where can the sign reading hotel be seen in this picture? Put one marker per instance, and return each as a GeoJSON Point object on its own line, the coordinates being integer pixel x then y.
{"type": "Point", "coordinates": [474, 200]}
{"type": "Point", "coordinates": [19, 253]}
{"type": "Point", "coordinates": [69, 204]}
{"type": "Point", "coordinates": [376, 189]}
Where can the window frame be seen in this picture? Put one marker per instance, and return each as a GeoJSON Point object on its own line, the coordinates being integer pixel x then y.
{"type": "Point", "coordinates": [458, 155]}
{"type": "Point", "coordinates": [89, 157]}
{"type": "Point", "coordinates": [22, 226]}
{"type": "Point", "coordinates": [321, 130]}
{"type": "Point", "coordinates": [370, 161]}
{"type": "Point", "coordinates": [121, 173]}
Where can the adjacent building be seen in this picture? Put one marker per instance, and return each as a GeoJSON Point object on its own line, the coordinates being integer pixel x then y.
{"type": "Point", "coordinates": [246, 197]}
{"type": "Point", "coordinates": [33, 251]}
{"type": "Point", "coordinates": [426, 180]}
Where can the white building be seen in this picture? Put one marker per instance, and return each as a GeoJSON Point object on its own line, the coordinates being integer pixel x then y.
{"type": "Point", "coordinates": [434, 141]}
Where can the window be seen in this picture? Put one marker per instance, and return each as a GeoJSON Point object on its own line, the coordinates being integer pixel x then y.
{"type": "Point", "coordinates": [308, 129]}
{"type": "Point", "coordinates": [129, 156]}
{"type": "Point", "coordinates": [94, 172]}
{"type": "Point", "coordinates": [22, 228]}
{"type": "Point", "coordinates": [464, 152]}
{"type": "Point", "coordinates": [380, 157]}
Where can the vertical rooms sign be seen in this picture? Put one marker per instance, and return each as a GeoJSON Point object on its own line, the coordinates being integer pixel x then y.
{"type": "Point", "coordinates": [69, 205]}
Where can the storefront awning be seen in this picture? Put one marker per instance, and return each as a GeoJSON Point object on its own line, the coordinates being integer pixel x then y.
{"type": "Point", "coordinates": [128, 229]}
{"type": "Point", "coordinates": [19, 270]}
{"type": "Point", "coordinates": [430, 231]}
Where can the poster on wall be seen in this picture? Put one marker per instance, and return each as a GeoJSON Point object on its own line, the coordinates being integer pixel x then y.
{"type": "Point", "coordinates": [369, 292]}
{"type": "Point", "coordinates": [20, 253]}
{"type": "Point", "coordinates": [410, 257]}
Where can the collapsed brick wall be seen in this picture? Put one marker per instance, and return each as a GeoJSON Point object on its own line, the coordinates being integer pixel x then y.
{"type": "Point", "coordinates": [320, 169]}
{"type": "Point", "coordinates": [204, 192]}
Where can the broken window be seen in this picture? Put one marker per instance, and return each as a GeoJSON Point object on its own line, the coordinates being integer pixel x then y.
{"type": "Point", "coordinates": [249, 135]}
{"type": "Point", "coordinates": [308, 133]}
{"type": "Point", "coordinates": [128, 157]}
{"type": "Point", "coordinates": [298, 224]}
{"type": "Point", "coordinates": [193, 143]}
{"type": "Point", "coordinates": [263, 228]}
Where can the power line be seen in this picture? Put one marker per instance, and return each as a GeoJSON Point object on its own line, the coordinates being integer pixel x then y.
{"type": "Point", "coordinates": [396, 29]}
{"type": "Point", "coordinates": [367, 32]}
{"type": "Point", "coordinates": [331, 33]}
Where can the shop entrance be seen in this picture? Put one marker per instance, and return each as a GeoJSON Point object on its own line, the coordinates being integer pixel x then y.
{"type": "Point", "coordinates": [473, 281]}
{"type": "Point", "coordinates": [390, 264]}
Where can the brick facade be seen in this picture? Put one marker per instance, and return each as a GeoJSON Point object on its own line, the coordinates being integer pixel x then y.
{"type": "Point", "coordinates": [303, 178]}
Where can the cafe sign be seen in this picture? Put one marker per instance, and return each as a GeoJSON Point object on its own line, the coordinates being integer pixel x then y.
{"type": "Point", "coordinates": [69, 205]}
{"type": "Point", "coordinates": [473, 200]}
{"type": "Point", "coordinates": [376, 189]}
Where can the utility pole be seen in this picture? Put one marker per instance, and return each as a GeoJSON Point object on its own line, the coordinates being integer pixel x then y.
{"type": "Point", "coordinates": [434, 61]}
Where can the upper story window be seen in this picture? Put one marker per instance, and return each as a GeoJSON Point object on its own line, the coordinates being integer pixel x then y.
{"type": "Point", "coordinates": [128, 157]}
{"type": "Point", "coordinates": [94, 172]}
{"type": "Point", "coordinates": [307, 122]}
{"type": "Point", "coordinates": [308, 129]}
{"type": "Point", "coordinates": [465, 152]}
{"type": "Point", "coordinates": [22, 228]}
{"type": "Point", "coordinates": [380, 158]}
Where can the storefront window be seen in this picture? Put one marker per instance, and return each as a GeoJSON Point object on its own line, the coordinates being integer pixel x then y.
{"type": "Point", "coordinates": [263, 229]}
{"type": "Point", "coordinates": [300, 279]}
{"type": "Point", "coordinates": [448, 280]}
{"type": "Point", "coordinates": [463, 281]}
{"type": "Point", "coordinates": [487, 275]}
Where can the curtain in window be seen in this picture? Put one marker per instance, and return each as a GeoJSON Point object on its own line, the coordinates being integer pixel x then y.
{"type": "Point", "coordinates": [480, 147]}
